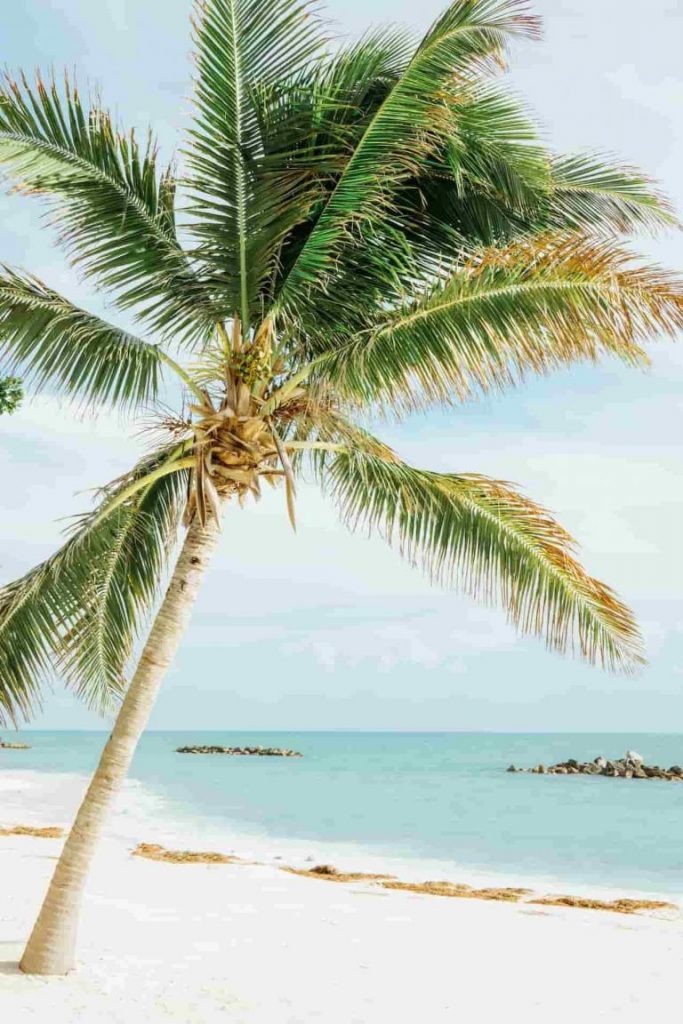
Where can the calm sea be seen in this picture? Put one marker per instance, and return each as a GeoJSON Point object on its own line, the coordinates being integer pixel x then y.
{"type": "Point", "coordinates": [442, 798]}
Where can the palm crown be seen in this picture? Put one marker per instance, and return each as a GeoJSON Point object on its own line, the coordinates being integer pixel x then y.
{"type": "Point", "coordinates": [352, 231]}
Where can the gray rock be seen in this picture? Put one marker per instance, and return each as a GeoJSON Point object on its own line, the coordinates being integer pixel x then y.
{"type": "Point", "coordinates": [630, 767]}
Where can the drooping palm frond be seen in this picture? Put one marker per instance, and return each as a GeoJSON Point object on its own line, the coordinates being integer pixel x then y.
{"type": "Point", "coordinates": [125, 584]}
{"type": "Point", "coordinates": [413, 122]}
{"type": "Point", "coordinates": [53, 342]}
{"type": "Point", "coordinates": [483, 536]}
{"type": "Point", "coordinates": [78, 613]}
{"type": "Point", "coordinates": [588, 193]}
{"type": "Point", "coordinates": [529, 308]}
{"type": "Point", "coordinates": [114, 210]}
{"type": "Point", "coordinates": [242, 47]}
{"type": "Point", "coordinates": [496, 183]}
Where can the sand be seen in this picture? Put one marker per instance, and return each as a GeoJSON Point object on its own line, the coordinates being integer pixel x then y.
{"type": "Point", "coordinates": [250, 943]}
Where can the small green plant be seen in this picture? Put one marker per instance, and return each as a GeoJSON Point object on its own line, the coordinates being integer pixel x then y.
{"type": "Point", "coordinates": [11, 394]}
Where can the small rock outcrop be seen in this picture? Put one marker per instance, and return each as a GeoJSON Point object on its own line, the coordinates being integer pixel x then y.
{"type": "Point", "coordinates": [241, 751]}
{"type": "Point", "coordinates": [13, 746]}
{"type": "Point", "coordinates": [630, 767]}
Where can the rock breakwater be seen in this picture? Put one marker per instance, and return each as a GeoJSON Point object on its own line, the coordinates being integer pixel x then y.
{"type": "Point", "coordinates": [629, 767]}
{"type": "Point", "coordinates": [241, 751]}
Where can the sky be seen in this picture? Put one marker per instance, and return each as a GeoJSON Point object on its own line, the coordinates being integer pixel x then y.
{"type": "Point", "coordinates": [328, 630]}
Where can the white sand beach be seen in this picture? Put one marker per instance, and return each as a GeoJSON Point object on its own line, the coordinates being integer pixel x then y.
{"type": "Point", "coordinates": [250, 943]}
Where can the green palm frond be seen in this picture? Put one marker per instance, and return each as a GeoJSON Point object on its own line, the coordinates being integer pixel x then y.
{"type": "Point", "coordinates": [113, 209]}
{"type": "Point", "coordinates": [412, 123]}
{"type": "Point", "coordinates": [589, 193]}
{"type": "Point", "coordinates": [312, 122]}
{"type": "Point", "coordinates": [484, 186]}
{"type": "Point", "coordinates": [242, 48]}
{"type": "Point", "coordinates": [53, 342]}
{"type": "Point", "coordinates": [483, 536]}
{"type": "Point", "coordinates": [78, 613]}
{"type": "Point", "coordinates": [529, 308]}
{"type": "Point", "coordinates": [122, 591]}
{"type": "Point", "coordinates": [481, 187]}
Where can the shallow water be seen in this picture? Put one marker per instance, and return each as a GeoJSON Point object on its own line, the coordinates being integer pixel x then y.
{"type": "Point", "coordinates": [419, 797]}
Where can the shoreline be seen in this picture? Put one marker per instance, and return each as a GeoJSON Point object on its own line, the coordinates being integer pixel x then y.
{"type": "Point", "coordinates": [251, 943]}
{"type": "Point", "coordinates": [143, 816]}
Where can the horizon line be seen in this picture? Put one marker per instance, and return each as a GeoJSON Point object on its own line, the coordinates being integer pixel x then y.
{"type": "Point", "coordinates": [407, 732]}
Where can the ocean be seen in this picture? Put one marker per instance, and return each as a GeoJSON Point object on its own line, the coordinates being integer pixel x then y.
{"type": "Point", "coordinates": [426, 802]}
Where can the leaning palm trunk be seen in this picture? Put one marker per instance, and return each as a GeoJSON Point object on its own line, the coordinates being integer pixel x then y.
{"type": "Point", "coordinates": [51, 947]}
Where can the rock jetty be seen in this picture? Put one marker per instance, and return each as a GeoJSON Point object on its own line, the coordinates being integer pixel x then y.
{"type": "Point", "coordinates": [630, 767]}
{"type": "Point", "coordinates": [241, 751]}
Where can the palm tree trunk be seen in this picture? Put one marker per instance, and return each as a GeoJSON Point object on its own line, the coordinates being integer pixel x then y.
{"type": "Point", "coordinates": [52, 945]}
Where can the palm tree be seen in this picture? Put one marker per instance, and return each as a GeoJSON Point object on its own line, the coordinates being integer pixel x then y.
{"type": "Point", "coordinates": [368, 229]}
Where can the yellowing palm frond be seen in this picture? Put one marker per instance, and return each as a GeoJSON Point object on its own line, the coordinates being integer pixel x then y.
{"type": "Point", "coordinates": [485, 537]}
{"type": "Point", "coordinates": [532, 307]}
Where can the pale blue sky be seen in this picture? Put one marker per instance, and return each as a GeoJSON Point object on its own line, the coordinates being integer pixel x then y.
{"type": "Point", "coordinates": [326, 630]}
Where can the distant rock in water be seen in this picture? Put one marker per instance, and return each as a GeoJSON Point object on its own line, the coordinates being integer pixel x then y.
{"type": "Point", "coordinates": [630, 767]}
{"type": "Point", "coordinates": [13, 746]}
{"type": "Point", "coordinates": [241, 751]}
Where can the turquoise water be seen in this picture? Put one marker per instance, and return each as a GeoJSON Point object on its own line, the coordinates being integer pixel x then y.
{"type": "Point", "coordinates": [423, 796]}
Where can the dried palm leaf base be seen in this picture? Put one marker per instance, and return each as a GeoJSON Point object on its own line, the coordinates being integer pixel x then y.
{"type": "Point", "coordinates": [50, 832]}
{"type": "Point", "coordinates": [235, 448]}
{"type": "Point", "coordinates": [150, 851]}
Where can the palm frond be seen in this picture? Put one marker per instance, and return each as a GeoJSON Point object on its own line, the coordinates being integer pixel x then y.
{"type": "Point", "coordinates": [123, 590]}
{"type": "Point", "coordinates": [243, 47]}
{"type": "Point", "coordinates": [311, 123]}
{"type": "Point", "coordinates": [484, 186]}
{"type": "Point", "coordinates": [114, 210]}
{"type": "Point", "coordinates": [52, 342]}
{"type": "Point", "coordinates": [485, 537]}
{"type": "Point", "coordinates": [589, 193]}
{"type": "Point", "coordinates": [412, 123]}
{"type": "Point", "coordinates": [529, 308]}
{"type": "Point", "coordinates": [77, 614]}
